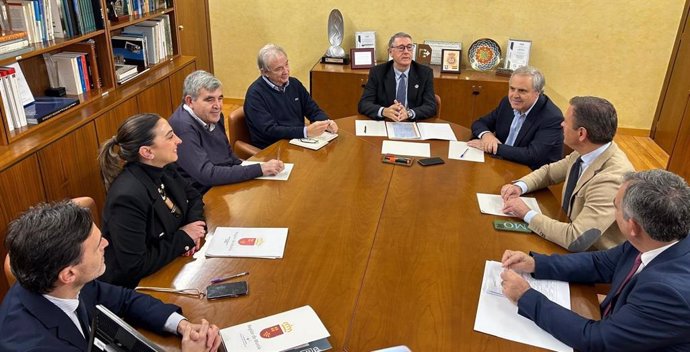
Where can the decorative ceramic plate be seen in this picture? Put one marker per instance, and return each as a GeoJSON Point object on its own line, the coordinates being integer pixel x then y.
{"type": "Point", "coordinates": [484, 54]}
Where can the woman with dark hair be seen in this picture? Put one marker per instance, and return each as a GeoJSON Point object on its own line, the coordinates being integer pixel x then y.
{"type": "Point", "coordinates": [152, 214]}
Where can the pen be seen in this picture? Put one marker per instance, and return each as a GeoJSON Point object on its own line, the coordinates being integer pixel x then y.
{"type": "Point", "coordinates": [463, 153]}
{"type": "Point", "coordinates": [221, 279]}
{"type": "Point", "coordinates": [278, 154]}
{"type": "Point", "coordinates": [365, 129]}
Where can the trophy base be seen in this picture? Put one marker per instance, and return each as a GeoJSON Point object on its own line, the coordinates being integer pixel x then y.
{"type": "Point", "coordinates": [335, 60]}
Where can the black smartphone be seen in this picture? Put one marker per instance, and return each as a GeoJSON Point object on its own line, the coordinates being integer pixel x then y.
{"type": "Point", "coordinates": [230, 289]}
{"type": "Point", "coordinates": [430, 161]}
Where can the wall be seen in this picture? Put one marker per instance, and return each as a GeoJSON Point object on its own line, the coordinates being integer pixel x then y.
{"type": "Point", "coordinates": [614, 49]}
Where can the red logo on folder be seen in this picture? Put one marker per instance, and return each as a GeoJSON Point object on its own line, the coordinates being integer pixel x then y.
{"type": "Point", "coordinates": [247, 241]}
{"type": "Point", "coordinates": [271, 332]}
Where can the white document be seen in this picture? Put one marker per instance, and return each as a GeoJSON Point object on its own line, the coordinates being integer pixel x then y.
{"type": "Point", "coordinates": [420, 131]}
{"type": "Point", "coordinates": [406, 148]}
{"type": "Point", "coordinates": [437, 47]}
{"type": "Point", "coordinates": [498, 316]}
{"type": "Point", "coordinates": [24, 91]}
{"type": "Point", "coordinates": [403, 130]}
{"type": "Point", "coordinates": [248, 242]}
{"type": "Point", "coordinates": [281, 176]}
{"type": "Point", "coordinates": [370, 128]}
{"type": "Point", "coordinates": [278, 332]}
{"type": "Point", "coordinates": [493, 204]}
{"type": "Point", "coordinates": [461, 151]}
{"type": "Point", "coordinates": [314, 143]}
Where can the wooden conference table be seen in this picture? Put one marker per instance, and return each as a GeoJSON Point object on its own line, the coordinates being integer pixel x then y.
{"type": "Point", "coordinates": [386, 255]}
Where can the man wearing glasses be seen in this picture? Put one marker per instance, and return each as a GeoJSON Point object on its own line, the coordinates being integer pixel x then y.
{"type": "Point", "coordinates": [399, 89]}
{"type": "Point", "coordinates": [276, 104]}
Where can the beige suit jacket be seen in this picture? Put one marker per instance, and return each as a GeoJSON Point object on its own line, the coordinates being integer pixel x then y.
{"type": "Point", "coordinates": [592, 214]}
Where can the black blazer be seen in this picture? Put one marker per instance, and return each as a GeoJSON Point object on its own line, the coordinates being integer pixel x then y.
{"type": "Point", "coordinates": [380, 91]}
{"type": "Point", "coordinates": [143, 236]}
{"type": "Point", "coordinates": [540, 140]}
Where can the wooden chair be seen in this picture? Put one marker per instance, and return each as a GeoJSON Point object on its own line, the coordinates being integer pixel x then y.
{"type": "Point", "coordinates": [438, 105]}
{"type": "Point", "coordinates": [85, 202]}
{"type": "Point", "coordinates": [238, 135]}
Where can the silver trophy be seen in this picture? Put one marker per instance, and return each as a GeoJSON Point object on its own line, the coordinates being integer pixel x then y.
{"type": "Point", "coordinates": [336, 29]}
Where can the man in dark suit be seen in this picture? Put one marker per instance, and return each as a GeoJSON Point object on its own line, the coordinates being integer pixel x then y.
{"type": "Point", "coordinates": [648, 306]}
{"type": "Point", "coordinates": [399, 89]}
{"type": "Point", "coordinates": [56, 254]}
{"type": "Point", "coordinates": [526, 125]}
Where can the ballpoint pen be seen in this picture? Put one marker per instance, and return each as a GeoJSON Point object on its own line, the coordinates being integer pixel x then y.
{"type": "Point", "coordinates": [463, 152]}
{"type": "Point", "coordinates": [226, 278]}
{"type": "Point", "coordinates": [278, 154]}
{"type": "Point", "coordinates": [365, 129]}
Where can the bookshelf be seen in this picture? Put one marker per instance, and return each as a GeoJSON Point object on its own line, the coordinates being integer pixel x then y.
{"type": "Point", "coordinates": [56, 159]}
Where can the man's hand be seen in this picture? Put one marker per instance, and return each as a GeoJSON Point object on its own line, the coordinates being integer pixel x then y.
{"type": "Point", "coordinates": [332, 126]}
{"type": "Point", "coordinates": [488, 143]}
{"type": "Point", "coordinates": [272, 167]}
{"type": "Point", "coordinates": [518, 261]}
{"type": "Point", "coordinates": [395, 112]}
{"type": "Point", "coordinates": [510, 191]}
{"type": "Point", "coordinates": [514, 285]}
{"type": "Point", "coordinates": [199, 337]}
{"type": "Point", "coordinates": [515, 207]}
{"type": "Point", "coordinates": [317, 128]}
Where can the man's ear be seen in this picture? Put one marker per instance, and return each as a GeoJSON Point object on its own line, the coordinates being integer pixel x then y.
{"type": "Point", "coordinates": [188, 99]}
{"type": "Point", "coordinates": [636, 229]}
{"type": "Point", "coordinates": [67, 276]}
{"type": "Point", "coordinates": [582, 134]}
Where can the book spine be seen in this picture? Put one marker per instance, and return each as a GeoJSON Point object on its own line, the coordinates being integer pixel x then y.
{"type": "Point", "coordinates": [6, 48]}
{"type": "Point", "coordinates": [6, 104]}
{"type": "Point", "coordinates": [35, 121]}
{"type": "Point", "coordinates": [85, 70]}
{"type": "Point", "coordinates": [14, 35]}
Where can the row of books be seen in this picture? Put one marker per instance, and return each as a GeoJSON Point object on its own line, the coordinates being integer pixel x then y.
{"type": "Point", "coordinates": [45, 20]}
{"type": "Point", "coordinates": [142, 45]}
{"type": "Point", "coordinates": [75, 68]}
{"type": "Point", "coordinates": [140, 7]}
{"type": "Point", "coordinates": [12, 42]}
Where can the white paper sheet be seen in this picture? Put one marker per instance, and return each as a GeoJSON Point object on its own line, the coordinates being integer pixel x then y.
{"type": "Point", "coordinates": [497, 315]}
{"type": "Point", "coordinates": [281, 176]}
{"type": "Point", "coordinates": [493, 204]}
{"type": "Point", "coordinates": [287, 330]}
{"type": "Point", "coordinates": [370, 128]}
{"type": "Point", "coordinates": [406, 148]}
{"type": "Point", "coordinates": [248, 242]}
{"type": "Point", "coordinates": [441, 131]}
{"type": "Point", "coordinates": [314, 143]}
{"type": "Point", "coordinates": [460, 151]}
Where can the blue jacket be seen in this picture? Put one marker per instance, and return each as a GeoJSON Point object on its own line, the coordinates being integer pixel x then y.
{"type": "Point", "coordinates": [652, 312]}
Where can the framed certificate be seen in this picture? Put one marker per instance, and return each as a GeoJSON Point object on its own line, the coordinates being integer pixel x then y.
{"type": "Point", "coordinates": [361, 58]}
{"type": "Point", "coordinates": [450, 60]}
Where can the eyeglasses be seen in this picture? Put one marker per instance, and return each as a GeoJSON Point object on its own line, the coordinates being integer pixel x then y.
{"type": "Point", "coordinates": [309, 140]}
{"type": "Point", "coordinates": [402, 48]}
{"type": "Point", "coordinates": [193, 292]}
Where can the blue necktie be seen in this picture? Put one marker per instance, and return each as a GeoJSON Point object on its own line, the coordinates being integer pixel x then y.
{"type": "Point", "coordinates": [401, 94]}
{"type": "Point", "coordinates": [515, 129]}
{"type": "Point", "coordinates": [572, 181]}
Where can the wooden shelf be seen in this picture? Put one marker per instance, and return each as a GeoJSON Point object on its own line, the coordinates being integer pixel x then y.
{"type": "Point", "coordinates": [134, 19]}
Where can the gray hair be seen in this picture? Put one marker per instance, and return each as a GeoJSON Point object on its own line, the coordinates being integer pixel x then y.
{"type": "Point", "coordinates": [267, 52]}
{"type": "Point", "coordinates": [398, 35]}
{"type": "Point", "coordinates": [538, 80]}
{"type": "Point", "coordinates": [198, 80]}
{"type": "Point", "coordinates": [659, 201]}
{"type": "Point", "coordinates": [597, 116]}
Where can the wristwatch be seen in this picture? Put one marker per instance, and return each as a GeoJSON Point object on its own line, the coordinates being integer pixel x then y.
{"type": "Point", "coordinates": [410, 114]}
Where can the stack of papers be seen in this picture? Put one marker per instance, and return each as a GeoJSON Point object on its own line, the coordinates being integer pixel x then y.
{"type": "Point", "coordinates": [294, 330]}
{"type": "Point", "coordinates": [498, 316]}
{"type": "Point", "coordinates": [370, 128]}
{"type": "Point", "coordinates": [281, 176]}
{"type": "Point", "coordinates": [461, 151]}
{"type": "Point", "coordinates": [406, 148]}
{"type": "Point", "coordinates": [421, 131]}
{"type": "Point", "coordinates": [314, 143]}
{"type": "Point", "coordinates": [493, 204]}
{"type": "Point", "coordinates": [248, 242]}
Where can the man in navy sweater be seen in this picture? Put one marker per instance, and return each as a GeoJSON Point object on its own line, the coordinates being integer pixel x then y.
{"type": "Point", "coordinates": [205, 156]}
{"type": "Point", "coordinates": [276, 104]}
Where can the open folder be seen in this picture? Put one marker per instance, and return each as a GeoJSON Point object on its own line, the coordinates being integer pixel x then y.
{"type": "Point", "coordinates": [420, 131]}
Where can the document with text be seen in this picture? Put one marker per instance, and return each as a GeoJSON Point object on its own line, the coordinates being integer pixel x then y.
{"type": "Point", "coordinates": [370, 128]}
{"type": "Point", "coordinates": [281, 176]}
{"type": "Point", "coordinates": [498, 316]}
{"type": "Point", "coordinates": [493, 204]}
{"type": "Point", "coordinates": [406, 148]}
{"type": "Point", "coordinates": [461, 151]}
{"type": "Point", "coordinates": [421, 131]}
{"type": "Point", "coordinates": [248, 242]}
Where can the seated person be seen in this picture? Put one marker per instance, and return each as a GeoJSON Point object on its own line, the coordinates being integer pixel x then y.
{"type": "Point", "coordinates": [592, 175]}
{"type": "Point", "coordinates": [152, 214]}
{"type": "Point", "coordinates": [206, 157]}
{"type": "Point", "coordinates": [526, 125]}
{"type": "Point", "coordinates": [56, 255]}
{"type": "Point", "coordinates": [647, 308]}
{"type": "Point", "coordinates": [276, 104]}
{"type": "Point", "coordinates": [400, 89]}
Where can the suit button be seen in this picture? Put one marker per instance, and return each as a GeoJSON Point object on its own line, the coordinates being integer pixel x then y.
{"type": "Point", "coordinates": [186, 248]}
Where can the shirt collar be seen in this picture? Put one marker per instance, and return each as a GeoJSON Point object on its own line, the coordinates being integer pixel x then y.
{"type": "Point", "coordinates": [67, 305]}
{"type": "Point", "coordinates": [589, 158]}
{"type": "Point", "coordinates": [648, 256]}
{"type": "Point", "coordinates": [398, 73]}
{"type": "Point", "coordinates": [274, 86]}
{"type": "Point", "coordinates": [203, 124]}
